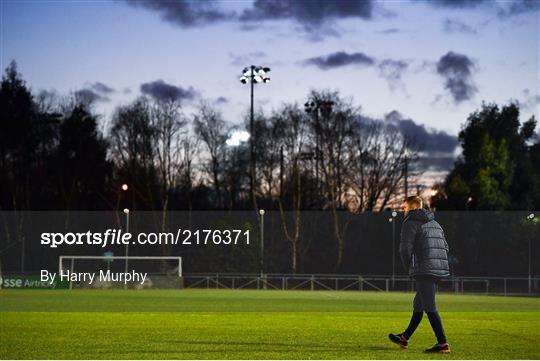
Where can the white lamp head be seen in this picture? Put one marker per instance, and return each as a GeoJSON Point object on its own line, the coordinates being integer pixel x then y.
{"type": "Point", "coordinates": [126, 211]}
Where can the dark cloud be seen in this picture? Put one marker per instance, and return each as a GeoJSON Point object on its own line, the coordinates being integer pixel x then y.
{"type": "Point", "coordinates": [436, 148]}
{"type": "Point", "coordinates": [506, 8]}
{"type": "Point", "coordinates": [390, 31]}
{"type": "Point", "coordinates": [392, 70]}
{"type": "Point", "coordinates": [94, 92]}
{"type": "Point", "coordinates": [457, 70]}
{"type": "Point", "coordinates": [518, 7]}
{"type": "Point", "coordinates": [185, 13]}
{"type": "Point", "coordinates": [102, 88]}
{"type": "Point", "coordinates": [159, 90]}
{"type": "Point", "coordinates": [339, 59]}
{"type": "Point", "coordinates": [456, 26]}
{"type": "Point", "coordinates": [89, 96]}
{"type": "Point", "coordinates": [222, 100]}
{"type": "Point", "coordinates": [530, 101]}
{"type": "Point", "coordinates": [436, 162]}
{"type": "Point", "coordinates": [455, 4]}
{"type": "Point", "coordinates": [308, 11]}
{"type": "Point", "coordinates": [389, 69]}
{"type": "Point", "coordinates": [317, 19]}
{"type": "Point", "coordinates": [426, 140]}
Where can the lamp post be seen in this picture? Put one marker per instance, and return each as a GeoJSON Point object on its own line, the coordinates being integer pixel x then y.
{"type": "Point", "coordinates": [393, 221]}
{"type": "Point", "coordinates": [530, 217]}
{"type": "Point", "coordinates": [469, 200]}
{"type": "Point", "coordinates": [261, 213]}
{"type": "Point", "coordinates": [252, 75]}
{"type": "Point", "coordinates": [123, 188]}
{"type": "Point", "coordinates": [126, 212]}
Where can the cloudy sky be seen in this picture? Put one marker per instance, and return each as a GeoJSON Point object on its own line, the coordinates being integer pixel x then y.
{"type": "Point", "coordinates": [424, 65]}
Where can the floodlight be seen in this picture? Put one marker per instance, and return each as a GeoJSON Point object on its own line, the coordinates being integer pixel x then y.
{"type": "Point", "coordinates": [258, 79]}
{"type": "Point", "coordinates": [125, 187]}
{"type": "Point", "coordinates": [237, 137]}
{"type": "Point", "coordinates": [126, 211]}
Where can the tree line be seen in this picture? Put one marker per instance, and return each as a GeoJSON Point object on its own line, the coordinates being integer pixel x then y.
{"type": "Point", "coordinates": [56, 153]}
{"type": "Point", "coordinates": [53, 155]}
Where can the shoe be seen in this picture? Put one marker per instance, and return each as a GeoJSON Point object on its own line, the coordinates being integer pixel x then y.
{"type": "Point", "coordinates": [399, 340]}
{"type": "Point", "coordinates": [440, 348]}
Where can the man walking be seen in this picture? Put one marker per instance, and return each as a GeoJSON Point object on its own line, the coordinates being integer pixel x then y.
{"type": "Point", "coordinates": [424, 252]}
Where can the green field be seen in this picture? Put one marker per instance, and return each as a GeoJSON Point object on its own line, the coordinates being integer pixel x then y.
{"type": "Point", "coordinates": [233, 324]}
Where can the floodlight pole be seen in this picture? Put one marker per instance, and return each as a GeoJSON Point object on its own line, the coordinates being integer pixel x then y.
{"type": "Point", "coordinates": [253, 74]}
{"type": "Point", "coordinates": [251, 143]}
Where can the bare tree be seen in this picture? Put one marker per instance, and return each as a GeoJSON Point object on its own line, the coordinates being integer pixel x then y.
{"type": "Point", "coordinates": [213, 131]}
{"type": "Point", "coordinates": [378, 155]}
{"type": "Point", "coordinates": [189, 149]}
{"type": "Point", "coordinates": [168, 122]}
{"type": "Point", "coordinates": [131, 147]}
{"type": "Point", "coordinates": [335, 130]}
{"type": "Point", "coordinates": [292, 126]}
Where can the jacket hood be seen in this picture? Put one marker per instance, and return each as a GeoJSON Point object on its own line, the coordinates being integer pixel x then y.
{"type": "Point", "coordinates": [421, 215]}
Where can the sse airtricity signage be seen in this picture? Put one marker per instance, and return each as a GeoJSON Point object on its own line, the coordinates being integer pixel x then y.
{"type": "Point", "coordinates": [29, 282]}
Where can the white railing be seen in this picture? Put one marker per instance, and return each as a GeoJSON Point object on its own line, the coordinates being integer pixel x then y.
{"type": "Point", "coordinates": [383, 283]}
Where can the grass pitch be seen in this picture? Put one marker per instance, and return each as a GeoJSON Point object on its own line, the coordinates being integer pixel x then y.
{"type": "Point", "coordinates": [234, 324]}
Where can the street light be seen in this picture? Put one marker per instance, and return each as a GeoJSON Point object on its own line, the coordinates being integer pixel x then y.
{"type": "Point", "coordinates": [126, 212]}
{"type": "Point", "coordinates": [123, 188]}
{"type": "Point", "coordinates": [469, 200]}
{"type": "Point", "coordinates": [261, 212]}
{"type": "Point", "coordinates": [530, 218]}
{"type": "Point", "coordinates": [393, 221]}
{"type": "Point", "coordinates": [252, 75]}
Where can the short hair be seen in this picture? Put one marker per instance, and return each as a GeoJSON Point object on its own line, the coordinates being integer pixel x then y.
{"type": "Point", "coordinates": [414, 201]}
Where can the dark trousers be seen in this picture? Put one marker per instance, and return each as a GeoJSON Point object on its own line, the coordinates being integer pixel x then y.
{"type": "Point", "coordinates": [424, 301]}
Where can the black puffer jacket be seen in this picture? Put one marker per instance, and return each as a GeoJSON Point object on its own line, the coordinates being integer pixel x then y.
{"type": "Point", "coordinates": [423, 248]}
